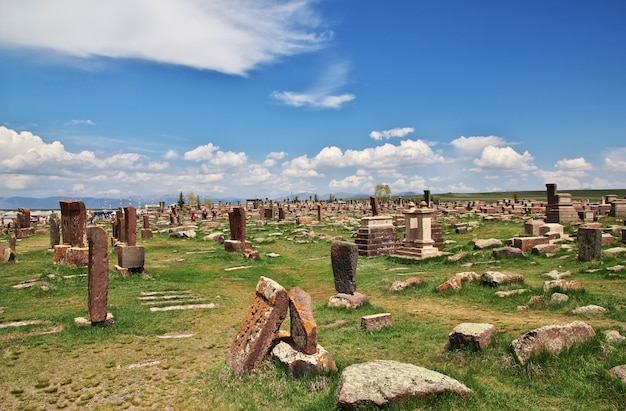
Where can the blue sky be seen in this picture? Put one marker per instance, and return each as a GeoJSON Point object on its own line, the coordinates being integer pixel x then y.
{"type": "Point", "coordinates": [265, 98]}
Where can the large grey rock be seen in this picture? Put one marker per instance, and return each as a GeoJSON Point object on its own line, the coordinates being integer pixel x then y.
{"type": "Point", "coordinates": [491, 242]}
{"type": "Point", "coordinates": [384, 382]}
{"type": "Point", "coordinates": [495, 278]}
{"type": "Point", "coordinates": [551, 338]}
{"type": "Point", "coordinates": [473, 335]}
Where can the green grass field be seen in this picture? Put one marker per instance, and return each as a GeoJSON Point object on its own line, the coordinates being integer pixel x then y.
{"type": "Point", "coordinates": [130, 366]}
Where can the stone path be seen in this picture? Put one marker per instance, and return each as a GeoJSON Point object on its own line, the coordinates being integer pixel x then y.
{"type": "Point", "coordinates": [173, 300]}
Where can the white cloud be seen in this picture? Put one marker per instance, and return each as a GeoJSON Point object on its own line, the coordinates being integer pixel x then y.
{"type": "Point", "coordinates": [201, 153]}
{"type": "Point", "coordinates": [504, 158]}
{"type": "Point", "coordinates": [361, 181]}
{"type": "Point", "coordinates": [80, 123]}
{"type": "Point", "coordinates": [415, 183]}
{"type": "Point", "coordinates": [216, 157]}
{"type": "Point", "coordinates": [573, 164]}
{"type": "Point", "coordinates": [322, 94]}
{"type": "Point", "coordinates": [229, 36]}
{"type": "Point", "coordinates": [171, 155]}
{"type": "Point", "coordinates": [395, 132]}
{"type": "Point", "coordinates": [475, 145]}
{"type": "Point", "coordinates": [616, 160]}
{"type": "Point", "coordinates": [272, 158]}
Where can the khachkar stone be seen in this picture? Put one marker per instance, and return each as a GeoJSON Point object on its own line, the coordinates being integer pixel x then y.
{"type": "Point", "coordinates": [237, 220]}
{"type": "Point", "coordinates": [98, 279]}
{"type": "Point", "coordinates": [130, 216]}
{"type": "Point", "coordinates": [146, 232]}
{"type": "Point", "coordinates": [120, 225]}
{"type": "Point", "coordinates": [376, 236]}
{"type": "Point", "coordinates": [73, 223]}
{"type": "Point", "coordinates": [303, 329]}
{"type": "Point", "coordinates": [259, 330]}
{"type": "Point", "coordinates": [23, 218]}
{"type": "Point", "coordinates": [55, 229]}
{"type": "Point", "coordinates": [589, 243]}
{"type": "Point", "coordinates": [344, 257]}
{"type": "Point", "coordinates": [375, 206]}
{"type": "Point", "coordinates": [418, 242]}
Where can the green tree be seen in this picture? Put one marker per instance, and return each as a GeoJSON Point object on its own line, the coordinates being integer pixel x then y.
{"type": "Point", "coordinates": [181, 200]}
{"type": "Point", "coordinates": [383, 192]}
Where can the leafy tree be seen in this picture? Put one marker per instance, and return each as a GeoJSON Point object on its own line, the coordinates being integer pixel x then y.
{"type": "Point", "coordinates": [181, 200]}
{"type": "Point", "coordinates": [383, 192]}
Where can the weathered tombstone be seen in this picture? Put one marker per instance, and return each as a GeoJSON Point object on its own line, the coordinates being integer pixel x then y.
{"type": "Point", "coordinates": [589, 243]}
{"type": "Point", "coordinates": [281, 214]}
{"type": "Point", "coordinates": [146, 232]}
{"type": "Point", "coordinates": [319, 212]}
{"type": "Point", "coordinates": [260, 327]}
{"type": "Point", "coordinates": [377, 235]}
{"type": "Point", "coordinates": [98, 280]}
{"type": "Point", "coordinates": [374, 205]}
{"type": "Point", "coordinates": [476, 336]}
{"type": "Point", "coordinates": [418, 242]}
{"type": "Point", "coordinates": [344, 257]}
{"type": "Point", "coordinates": [73, 223]}
{"type": "Point", "coordinates": [130, 230]}
{"type": "Point", "coordinates": [303, 329]}
{"type": "Point", "coordinates": [55, 232]}
{"type": "Point", "coordinates": [237, 220]}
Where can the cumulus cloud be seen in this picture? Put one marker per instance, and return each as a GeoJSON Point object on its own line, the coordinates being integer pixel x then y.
{"type": "Point", "coordinates": [476, 144]}
{"type": "Point", "coordinates": [171, 155]}
{"type": "Point", "coordinates": [395, 132]}
{"type": "Point", "coordinates": [272, 158]}
{"type": "Point", "coordinates": [362, 180]}
{"type": "Point", "coordinates": [214, 156]}
{"type": "Point", "coordinates": [323, 94]}
{"type": "Point", "coordinates": [573, 164]}
{"type": "Point", "coordinates": [616, 160]}
{"type": "Point", "coordinates": [229, 36]}
{"type": "Point", "coordinates": [504, 158]}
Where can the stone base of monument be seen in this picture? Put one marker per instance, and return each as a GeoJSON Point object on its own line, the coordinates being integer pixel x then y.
{"type": "Point", "coordinates": [25, 232]}
{"type": "Point", "coordinates": [377, 235]}
{"type": "Point", "coordinates": [236, 245]}
{"type": "Point", "coordinates": [77, 257]}
{"type": "Point", "coordinates": [299, 364]}
{"type": "Point", "coordinates": [417, 252]}
{"type": "Point", "coordinates": [146, 233]}
{"type": "Point", "coordinates": [126, 271]}
{"type": "Point", "coordinates": [355, 300]}
{"type": "Point", "coordinates": [82, 322]}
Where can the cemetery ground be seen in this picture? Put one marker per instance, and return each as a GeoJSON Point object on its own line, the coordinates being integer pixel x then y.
{"type": "Point", "coordinates": [176, 359]}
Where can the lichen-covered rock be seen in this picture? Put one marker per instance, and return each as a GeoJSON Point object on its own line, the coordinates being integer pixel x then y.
{"type": "Point", "coordinates": [491, 242]}
{"type": "Point", "coordinates": [355, 300]}
{"type": "Point", "coordinates": [619, 372]}
{"type": "Point", "coordinates": [402, 285]}
{"type": "Point", "coordinates": [494, 278]}
{"type": "Point", "coordinates": [551, 338]}
{"type": "Point", "coordinates": [386, 382]}
{"type": "Point", "coordinates": [562, 284]}
{"type": "Point", "coordinates": [589, 310]}
{"type": "Point", "coordinates": [299, 364]}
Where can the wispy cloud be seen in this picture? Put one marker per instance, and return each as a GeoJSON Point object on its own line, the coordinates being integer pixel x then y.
{"type": "Point", "coordinates": [80, 123]}
{"type": "Point", "coordinates": [324, 93]}
{"type": "Point", "coordinates": [395, 132]}
{"type": "Point", "coordinates": [229, 36]}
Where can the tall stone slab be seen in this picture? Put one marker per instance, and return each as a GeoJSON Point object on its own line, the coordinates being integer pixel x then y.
{"type": "Point", "coordinates": [260, 327]}
{"type": "Point", "coordinates": [344, 257]}
{"type": "Point", "coordinates": [130, 216]}
{"type": "Point", "coordinates": [55, 229]}
{"type": "Point", "coordinates": [73, 223]}
{"type": "Point", "coordinates": [303, 329]}
{"type": "Point", "coordinates": [589, 243]}
{"type": "Point", "coordinates": [237, 220]}
{"type": "Point", "coordinates": [98, 280]}
{"type": "Point", "coordinates": [375, 206]}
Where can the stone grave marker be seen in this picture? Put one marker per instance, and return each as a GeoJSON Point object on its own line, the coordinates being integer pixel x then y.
{"type": "Point", "coordinates": [589, 243]}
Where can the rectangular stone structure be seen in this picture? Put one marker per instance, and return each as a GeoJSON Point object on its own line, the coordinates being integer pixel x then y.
{"type": "Point", "coordinates": [259, 329]}
{"type": "Point", "coordinates": [73, 223]}
{"type": "Point", "coordinates": [344, 257]}
{"type": "Point", "coordinates": [376, 322]}
{"type": "Point", "coordinates": [589, 243]}
{"type": "Point", "coordinates": [303, 328]}
{"type": "Point", "coordinates": [130, 216]}
{"type": "Point", "coordinates": [55, 229]}
{"type": "Point", "coordinates": [98, 278]}
{"type": "Point", "coordinates": [130, 256]}
{"type": "Point", "coordinates": [374, 205]}
{"type": "Point", "coordinates": [377, 235]}
{"type": "Point", "coordinates": [237, 220]}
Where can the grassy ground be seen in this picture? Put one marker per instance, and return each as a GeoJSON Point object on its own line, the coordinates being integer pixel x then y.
{"type": "Point", "coordinates": [128, 365]}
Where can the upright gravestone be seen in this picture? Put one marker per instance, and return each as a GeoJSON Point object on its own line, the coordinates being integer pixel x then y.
{"type": "Point", "coordinates": [98, 280]}
{"type": "Point", "coordinates": [23, 228]}
{"type": "Point", "coordinates": [55, 232]}
{"type": "Point", "coordinates": [319, 212]}
{"type": "Point", "coordinates": [344, 257]}
{"type": "Point", "coordinates": [237, 220]}
{"type": "Point", "coordinates": [73, 223]}
{"type": "Point", "coordinates": [589, 243]}
{"type": "Point", "coordinates": [146, 232]}
{"type": "Point", "coordinates": [130, 216]}
{"type": "Point", "coordinates": [375, 206]}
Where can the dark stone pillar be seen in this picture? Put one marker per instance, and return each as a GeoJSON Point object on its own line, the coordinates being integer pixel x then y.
{"type": "Point", "coordinates": [98, 280]}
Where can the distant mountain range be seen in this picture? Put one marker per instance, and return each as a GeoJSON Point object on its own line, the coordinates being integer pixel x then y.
{"type": "Point", "coordinates": [52, 203]}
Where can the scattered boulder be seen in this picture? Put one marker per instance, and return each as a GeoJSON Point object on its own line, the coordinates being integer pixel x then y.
{"type": "Point", "coordinates": [558, 298]}
{"type": "Point", "coordinates": [589, 310]}
{"type": "Point", "coordinates": [348, 300]}
{"type": "Point", "coordinates": [458, 256]}
{"type": "Point", "coordinates": [453, 283]}
{"type": "Point", "coordinates": [613, 337]}
{"type": "Point", "coordinates": [299, 364]}
{"type": "Point", "coordinates": [507, 252]}
{"type": "Point", "coordinates": [402, 285]}
{"type": "Point", "coordinates": [217, 236]}
{"type": "Point", "coordinates": [473, 335]}
{"type": "Point", "coordinates": [183, 232]}
{"type": "Point", "coordinates": [551, 338]}
{"type": "Point", "coordinates": [491, 242]}
{"type": "Point", "coordinates": [619, 372]}
{"type": "Point", "coordinates": [535, 299]}
{"type": "Point", "coordinates": [614, 252]}
{"type": "Point", "coordinates": [387, 382]}
{"type": "Point", "coordinates": [495, 278]}
{"type": "Point", "coordinates": [562, 284]}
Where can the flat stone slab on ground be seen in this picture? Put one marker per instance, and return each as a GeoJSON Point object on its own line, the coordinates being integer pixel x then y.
{"type": "Point", "coordinates": [299, 364]}
{"type": "Point", "coordinates": [355, 300]}
{"type": "Point", "coordinates": [494, 278]}
{"type": "Point", "coordinates": [386, 382]}
{"type": "Point", "coordinates": [510, 293]}
{"type": "Point", "coordinates": [376, 322]}
{"type": "Point", "coordinates": [183, 307]}
{"type": "Point", "coordinates": [472, 335]}
{"type": "Point", "coordinates": [589, 310]}
{"type": "Point", "coordinates": [551, 338]}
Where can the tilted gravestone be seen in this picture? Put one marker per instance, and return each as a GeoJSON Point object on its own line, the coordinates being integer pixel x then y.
{"type": "Point", "coordinates": [344, 257]}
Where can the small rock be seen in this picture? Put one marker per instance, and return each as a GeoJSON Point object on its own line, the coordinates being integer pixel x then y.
{"type": "Point", "coordinates": [402, 285]}
{"type": "Point", "coordinates": [556, 275]}
{"type": "Point", "coordinates": [613, 336]}
{"type": "Point", "coordinates": [494, 278]}
{"type": "Point", "coordinates": [616, 268]}
{"type": "Point", "coordinates": [589, 309]}
{"type": "Point", "coordinates": [558, 298]}
{"type": "Point", "coordinates": [507, 252]}
{"type": "Point", "coordinates": [562, 284]}
{"type": "Point", "coordinates": [535, 299]}
{"type": "Point", "coordinates": [492, 242]}
{"type": "Point", "coordinates": [619, 372]}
